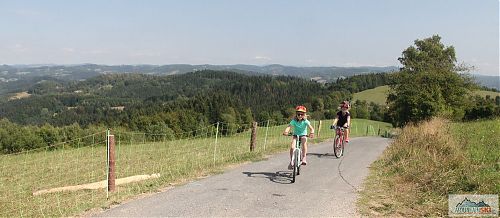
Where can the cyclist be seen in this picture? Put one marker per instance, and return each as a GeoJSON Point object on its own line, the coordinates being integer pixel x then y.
{"type": "Point", "coordinates": [343, 118]}
{"type": "Point", "coordinates": [300, 125]}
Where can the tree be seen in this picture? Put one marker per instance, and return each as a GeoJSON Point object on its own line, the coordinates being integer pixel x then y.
{"type": "Point", "coordinates": [361, 109]}
{"type": "Point", "coordinates": [318, 104]}
{"type": "Point", "coordinates": [428, 84]}
{"type": "Point", "coordinates": [376, 112]}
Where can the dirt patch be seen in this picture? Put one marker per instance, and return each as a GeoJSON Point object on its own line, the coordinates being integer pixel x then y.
{"type": "Point", "coordinates": [20, 95]}
{"type": "Point", "coordinates": [98, 185]}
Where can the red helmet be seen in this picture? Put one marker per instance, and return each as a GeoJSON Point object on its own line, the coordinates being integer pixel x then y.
{"type": "Point", "coordinates": [301, 108]}
{"type": "Point", "coordinates": [345, 104]}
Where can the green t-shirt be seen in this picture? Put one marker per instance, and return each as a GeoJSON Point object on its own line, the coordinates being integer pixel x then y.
{"type": "Point", "coordinates": [299, 127]}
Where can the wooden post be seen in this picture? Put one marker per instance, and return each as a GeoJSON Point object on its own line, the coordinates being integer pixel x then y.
{"type": "Point", "coordinates": [215, 145]}
{"type": "Point", "coordinates": [378, 131]}
{"type": "Point", "coordinates": [254, 136]}
{"type": "Point", "coordinates": [111, 162]}
{"type": "Point", "coordinates": [367, 129]}
{"type": "Point", "coordinates": [319, 128]}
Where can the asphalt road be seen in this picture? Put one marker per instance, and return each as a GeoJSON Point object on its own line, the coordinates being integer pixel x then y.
{"type": "Point", "coordinates": [327, 186]}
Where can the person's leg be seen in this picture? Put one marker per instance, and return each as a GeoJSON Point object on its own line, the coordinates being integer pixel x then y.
{"type": "Point", "coordinates": [347, 135]}
{"type": "Point", "coordinates": [304, 150]}
{"type": "Point", "coordinates": [292, 146]}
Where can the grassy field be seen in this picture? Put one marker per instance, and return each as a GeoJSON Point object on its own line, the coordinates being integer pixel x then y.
{"type": "Point", "coordinates": [176, 161]}
{"type": "Point", "coordinates": [428, 162]}
{"type": "Point", "coordinates": [379, 94]}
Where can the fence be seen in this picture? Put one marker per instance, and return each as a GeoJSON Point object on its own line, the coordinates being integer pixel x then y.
{"type": "Point", "coordinates": [61, 181]}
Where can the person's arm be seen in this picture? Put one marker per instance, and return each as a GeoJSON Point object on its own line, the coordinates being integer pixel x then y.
{"type": "Point", "coordinates": [335, 120]}
{"type": "Point", "coordinates": [348, 123]}
{"type": "Point", "coordinates": [311, 135]}
{"type": "Point", "coordinates": [287, 130]}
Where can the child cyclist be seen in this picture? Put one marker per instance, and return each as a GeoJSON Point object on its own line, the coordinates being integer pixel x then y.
{"type": "Point", "coordinates": [300, 125]}
{"type": "Point", "coordinates": [343, 118]}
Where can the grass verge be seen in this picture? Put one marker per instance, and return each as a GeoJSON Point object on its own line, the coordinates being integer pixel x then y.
{"type": "Point", "coordinates": [428, 162]}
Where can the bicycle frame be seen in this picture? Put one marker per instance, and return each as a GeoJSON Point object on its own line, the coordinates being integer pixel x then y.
{"type": "Point", "coordinates": [339, 141]}
{"type": "Point", "coordinates": [297, 150]}
{"type": "Point", "coordinates": [297, 157]}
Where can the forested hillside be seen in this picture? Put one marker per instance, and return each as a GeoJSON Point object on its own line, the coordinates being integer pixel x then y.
{"type": "Point", "coordinates": [15, 78]}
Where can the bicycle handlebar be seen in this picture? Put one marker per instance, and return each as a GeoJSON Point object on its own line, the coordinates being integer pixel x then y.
{"type": "Point", "coordinates": [338, 127]}
{"type": "Point", "coordinates": [291, 134]}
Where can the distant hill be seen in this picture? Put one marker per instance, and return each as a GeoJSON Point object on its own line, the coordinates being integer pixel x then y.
{"type": "Point", "coordinates": [488, 81]}
{"type": "Point", "coordinates": [17, 78]}
{"type": "Point", "coordinates": [134, 100]}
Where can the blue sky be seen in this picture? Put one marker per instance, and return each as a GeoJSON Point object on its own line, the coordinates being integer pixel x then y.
{"type": "Point", "coordinates": [298, 33]}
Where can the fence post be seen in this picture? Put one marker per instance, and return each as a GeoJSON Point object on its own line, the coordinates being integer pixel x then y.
{"type": "Point", "coordinates": [110, 139]}
{"type": "Point", "coordinates": [216, 135]}
{"type": "Point", "coordinates": [254, 136]}
{"type": "Point", "coordinates": [314, 126]}
{"type": "Point", "coordinates": [378, 131]}
{"type": "Point", "coordinates": [265, 139]}
{"type": "Point", "coordinates": [319, 128]}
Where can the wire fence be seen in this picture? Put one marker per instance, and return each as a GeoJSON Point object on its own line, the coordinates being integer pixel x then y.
{"type": "Point", "coordinates": [25, 173]}
{"type": "Point", "coordinates": [62, 180]}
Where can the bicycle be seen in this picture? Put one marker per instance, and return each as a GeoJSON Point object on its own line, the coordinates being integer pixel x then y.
{"type": "Point", "coordinates": [339, 140]}
{"type": "Point", "coordinates": [297, 156]}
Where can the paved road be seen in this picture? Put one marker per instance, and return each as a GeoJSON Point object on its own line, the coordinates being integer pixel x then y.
{"type": "Point", "coordinates": [326, 187]}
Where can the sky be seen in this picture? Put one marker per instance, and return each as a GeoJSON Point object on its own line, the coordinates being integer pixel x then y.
{"type": "Point", "coordinates": [259, 32]}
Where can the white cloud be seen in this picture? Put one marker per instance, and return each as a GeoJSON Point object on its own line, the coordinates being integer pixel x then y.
{"type": "Point", "coordinates": [95, 52]}
{"type": "Point", "coordinates": [262, 58]}
{"type": "Point", "coordinates": [19, 48]}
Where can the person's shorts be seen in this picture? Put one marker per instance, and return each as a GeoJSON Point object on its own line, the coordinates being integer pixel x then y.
{"type": "Point", "coordinates": [302, 137]}
{"type": "Point", "coordinates": [340, 124]}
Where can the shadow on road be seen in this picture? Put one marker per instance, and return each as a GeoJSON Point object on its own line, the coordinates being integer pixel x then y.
{"type": "Point", "coordinates": [322, 155]}
{"type": "Point", "coordinates": [282, 177]}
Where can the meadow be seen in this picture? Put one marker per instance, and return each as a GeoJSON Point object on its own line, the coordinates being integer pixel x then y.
{"type": "Point", "coordinates": [379, 95]}
{"type": "Point", "coordinates": [177, 162]}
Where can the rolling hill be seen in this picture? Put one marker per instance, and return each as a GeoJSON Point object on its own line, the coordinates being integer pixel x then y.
{"type": "Point", "coordinates": [378, 95]}
{"type": "Point", "coordinates": [17, 78]}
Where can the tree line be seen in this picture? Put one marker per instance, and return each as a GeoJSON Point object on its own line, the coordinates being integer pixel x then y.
{"type": "Point", "coordinates": [166, 104]}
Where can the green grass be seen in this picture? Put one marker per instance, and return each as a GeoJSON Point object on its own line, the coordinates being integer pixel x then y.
{"type": "Point", "coordinates": [428, 162]}
{"type": "Point", "coordinates": [481, 142]}
{"type": "Point", "coordinates": [379, 95]}
{"type": "Point", "coordinates": [176, 161]}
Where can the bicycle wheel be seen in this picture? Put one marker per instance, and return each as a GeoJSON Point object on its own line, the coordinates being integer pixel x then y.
{"type": "Point", "coordinates": [298, 163]}
{"type": "Point", "coordinates": [334, 143]}
{"type": "Point", "coordinates": [342, 146]}
{"type": "Point", "coordinates": [338, 147]}
{"type": "Point", "coordinates": [295, 167]}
